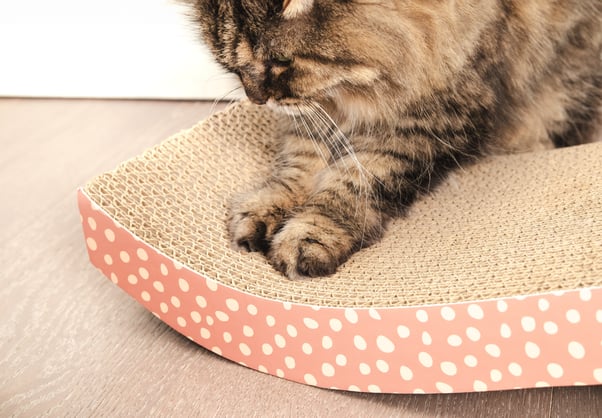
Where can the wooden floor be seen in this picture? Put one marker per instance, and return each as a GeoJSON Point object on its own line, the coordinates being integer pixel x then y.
{"type": "Point", "coordinates": [72, 344]}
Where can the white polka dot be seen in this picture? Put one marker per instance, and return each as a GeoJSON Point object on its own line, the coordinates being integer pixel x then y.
{"type": "Point", "coordinates": [341, 360]}
{"type": "Point", "coordinates": [145, 296]}
{"type": "Point", "coordinates": [443, 387]}
{"type": "Point", "coordinates": [336, 325]}
{"type": "Point", "coordinates": [598, 375]}
{"type": "Point", "coordinates": [449, 368]}
{"type": "Point", "coordinates": [181, 321]}
{"type": "Point", "coordinates": [476, 312]}
{"type": "Point", "coordinates": [291, 330]}
{"type": "Point", "coordinates": [108, 259]}
{"type": "Point", "coordinates": [515, 369]}
{"type": "Point", "coordinates": [290, 362]}
{"type": "Point", "coordinates": [209, 320]}
{"type": "Point", "coordinates": [163, 269]}
{"type": "Point", "coordinates": [175, 301]}
{"type": "Point", "coordinates": [403, 331]}
{"type": "Point", "coordinates": [473, 334]}
{"type": "Point", "coordinates": [142, 254]}
{"type": "Point", "coordinates": [555, 370]}
{"type": "Point", "coordinates": [422, 316]}
{"type": "Point", "coordinates": [471, 361]}
{"type": "Point", "coordinates": [550, 328]}
{"type": "Point", "coordinates": [573, 316]}
{"type": "Point", "coordinates": [158, 287]}
{"type": "Point", "coordinates": [164, 308]}
{"type": "Point", "coordinates": [426, 338]}
{"type": "Point", "coordinates": [232, 305]}
{"type": "Point", "coordinates": [327, 342]}
{"type": "Point", "coordinates": [114, 278]}
{"type": "Point", "coordinates": [177, 265]}
{"type": "Point", "coordinates": [351, 315]}
{"type": "Point", "coordinates": [196, 317]}
{"type": "Point", "coordinates": [543, 304]}
{"type": "Point", "coordinates": [479, 386]}
{"type": "Point", "coordinates": [244, 349]}
{"type": "Point", "coordinates": [532, 350]}
{"type": "Point", "coordinates": [307, 348]}
{"type": "Point", "coordinates": [91, 243]}
{"type": "Point", "coordinates": [287, 306]}
{"type": "Point", "coordinates": [211, 285]}
{"type": "Point", "coordinates": [132, 279]}
{"type": "Point", "coordinates": [425, 359]}
{"type": "Point", "coordinates": [218, 351]}
{"type": "Point", "coordinates": [374, 314]}
{"type": "Point", "coordinates": [310, 323]}
{"type": "Point", "coordinates": [493, 350]}
{"type": "Point", "coordinates": [201, 301]}
{"type": "Point", "coordinates": [528, 323]}
{"type": "Point", "coordinates": [585, 295]}
{"type": "Point", "coordinates": [252, 309]}
{"type": "Point", "coordinates": [110, 235]}
{"type": "Point", "coordinates": [384, 344]}
{"type": "Point", "coordinates": [505, 331]}
{"type": "Point", "coordinates": [267, 349]}
{"type": "Point", "coordinates": [280, 373]}
{"type": "Point", "coordinates": [310, 379]}
{"type": "Point", "coordinates": [247, 331]}
{"type": "Point", "coordinates": [270, 320]}
{"type": "Point", "coordinates": [183, 284]}
{"type": "Point", "coordinates": [406, 373]}
{"type": "Point", "coordinates": [382, 366]}
{"type": "Point", "coordinates": [495, 375]}
{"type": "Point", "coordinates": [448, 313]}
{"type": "Point", "coordinates": [502, 306]}
{"type": "Point", "coordinates": [454, 340]}
{"type": "Point", "coordinates": [280, 341]}
{"type": "Point", "coordinates": [92, 223]}
{"type": "Point", "coordinates": [262, 369]}
{"type": "Point", "coordinates": [328, 370]}
{"type": "Point", "coordinates": [205, 333]}
{"type": "Point", "coordinates": [365, 369]}
{"type": "Point", "coordinates": [374, 389]}
{"type": "Point", "coordinates": [143, 273]}
{"type": "Point", "coordinates": [359, 342]}
{"type": "Point", "coordinates": [419, 391]}
{"type": "Point", "coordinates": [558, 293]}
{"type": "Point", "coordinates": [576, 350]}
{"type": "Point", "coordinates": [599, 316]}
{"type": "Point", "coordinates": [124, 256]}
{"type": "Point", "coordinates": [541, 384]}
{"type": "Point", "coordinates": [222, 316]}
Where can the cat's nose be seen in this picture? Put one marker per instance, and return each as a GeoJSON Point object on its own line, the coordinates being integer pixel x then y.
{"type": "Point", "coordinates": [256, 96]}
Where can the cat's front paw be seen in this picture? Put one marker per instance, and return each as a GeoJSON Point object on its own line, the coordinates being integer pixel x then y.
{"type": "Point", "coordinates": [253, 221]}
{"type": "Point", "coordinates": [309, 246]}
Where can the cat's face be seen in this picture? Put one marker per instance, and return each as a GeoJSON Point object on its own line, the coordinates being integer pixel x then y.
{"type": "Point", "coordinates": [354, 56]}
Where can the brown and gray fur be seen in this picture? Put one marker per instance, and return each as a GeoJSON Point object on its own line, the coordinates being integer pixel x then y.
{"type": "Point", "coordinates": [387, 97]}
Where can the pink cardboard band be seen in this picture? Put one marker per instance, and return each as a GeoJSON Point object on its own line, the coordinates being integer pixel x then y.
{"type": "Point", "coordinates": [552, 339]}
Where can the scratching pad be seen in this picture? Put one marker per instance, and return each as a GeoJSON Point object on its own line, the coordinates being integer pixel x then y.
{"type": "Point", "coordinates": [492, 281]}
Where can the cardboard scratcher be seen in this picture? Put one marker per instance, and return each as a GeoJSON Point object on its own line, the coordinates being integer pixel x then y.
{"type": "Point", "coordinates": [491, 282]}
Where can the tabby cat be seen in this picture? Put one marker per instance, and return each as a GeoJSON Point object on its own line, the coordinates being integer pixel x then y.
{"type": "Point", "coordinates": [385, 98]}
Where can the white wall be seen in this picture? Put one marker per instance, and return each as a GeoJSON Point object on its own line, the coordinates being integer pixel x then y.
{"type": "Point", "coordinates": [104, 48]}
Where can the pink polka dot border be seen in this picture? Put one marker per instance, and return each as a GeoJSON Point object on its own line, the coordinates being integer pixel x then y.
{"type": "Point", "coordinates": [552, 339]}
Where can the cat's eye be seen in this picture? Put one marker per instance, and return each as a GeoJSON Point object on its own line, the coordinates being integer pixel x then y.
{"type": "Point", "coordinates": [282, 59]}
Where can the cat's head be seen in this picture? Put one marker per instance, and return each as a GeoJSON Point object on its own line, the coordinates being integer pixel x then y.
{"type": "Point", "coordinates": [354, 56]}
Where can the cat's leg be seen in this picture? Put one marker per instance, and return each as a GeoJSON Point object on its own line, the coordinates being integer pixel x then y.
{"type": "Point", "coordinates": [348, 210]}
{"type": "Point", "coordinates": [257, 215]}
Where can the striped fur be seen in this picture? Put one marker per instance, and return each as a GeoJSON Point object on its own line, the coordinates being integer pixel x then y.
{"type": "Point", "coordinates": [386, 97]}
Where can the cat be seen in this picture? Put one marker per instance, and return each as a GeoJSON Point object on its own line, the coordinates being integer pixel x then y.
{"type": "Point", "coordinates": [386, 98]}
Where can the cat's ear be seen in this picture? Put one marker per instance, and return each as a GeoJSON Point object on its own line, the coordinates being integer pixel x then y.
{"type": "Point", "coordinates": [294, 8]}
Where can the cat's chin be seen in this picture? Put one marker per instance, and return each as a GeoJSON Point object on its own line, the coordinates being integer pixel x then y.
{"type": "Point", "coordinates": [288, 107]}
